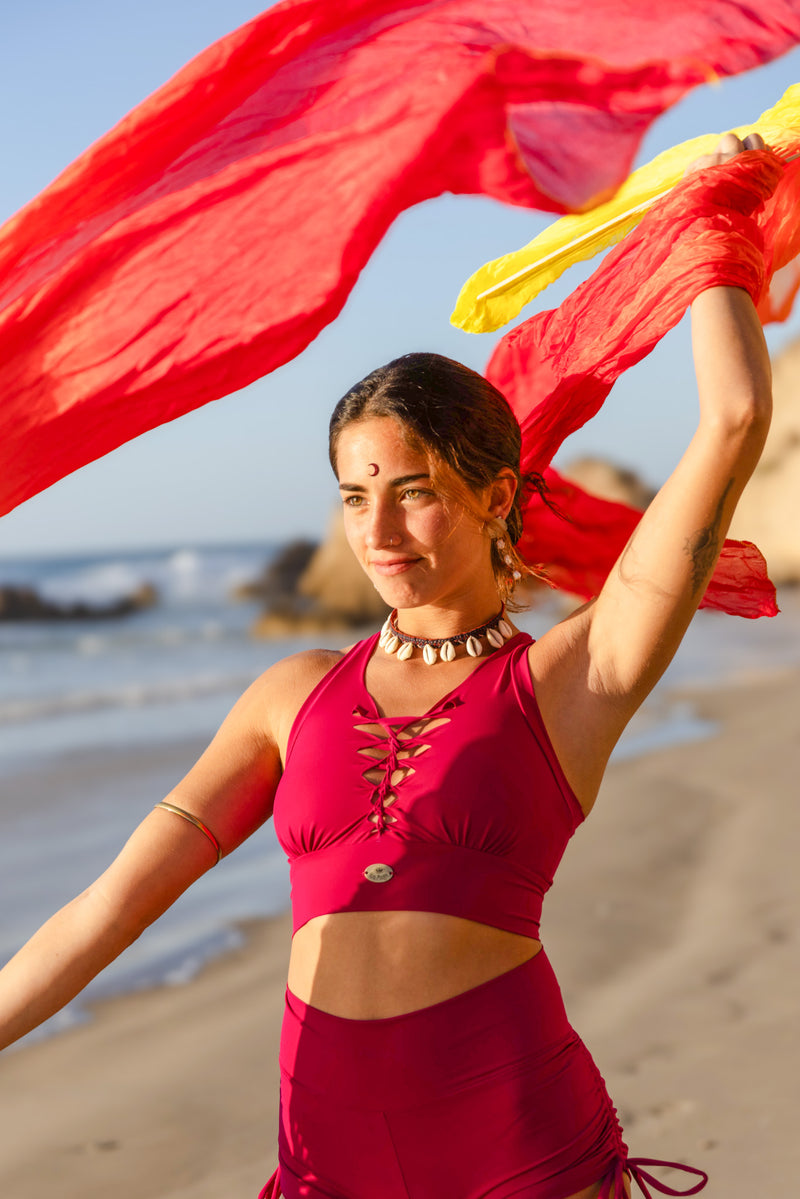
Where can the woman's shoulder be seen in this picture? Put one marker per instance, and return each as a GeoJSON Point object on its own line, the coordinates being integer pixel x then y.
{"type": "Point", "coordinates": [298, 674]}
{"type": "Point", "coordinates": [284, 687]}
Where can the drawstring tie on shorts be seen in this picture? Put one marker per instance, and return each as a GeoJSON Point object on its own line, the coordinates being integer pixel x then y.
{"type": "Point", "coordinates": [634, 1166]}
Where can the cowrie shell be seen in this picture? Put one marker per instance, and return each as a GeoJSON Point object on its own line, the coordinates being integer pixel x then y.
{"type": "Point", "coordinates": [448, 652]}
{"type": "Point", "coordinates": [494, 638]}
{"type": "Point", "coordinates": [429, 654]}
{"type": "Point", "coordinates": [474, 647]}
{"type": "Point", "coordinates": [405, 651]}
{"type": "Point", "coordinates": [392, 643]}
{"type": "Point", "coordinates": [505, 628]}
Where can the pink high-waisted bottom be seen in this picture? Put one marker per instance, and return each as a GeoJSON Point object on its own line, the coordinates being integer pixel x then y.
{"type": "Point", "coordinates": [488, 1094]}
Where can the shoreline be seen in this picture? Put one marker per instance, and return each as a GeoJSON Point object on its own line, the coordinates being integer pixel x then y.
{"type": "Point", "coordinates": [684, 991]}
{"type": "Point", "coordinates": [166, 1093]}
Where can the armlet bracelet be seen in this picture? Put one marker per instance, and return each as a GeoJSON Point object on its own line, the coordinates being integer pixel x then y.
{"type": "Point", "coordinates": [171, 807]}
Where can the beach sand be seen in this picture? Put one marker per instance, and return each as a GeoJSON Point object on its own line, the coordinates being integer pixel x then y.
{"type": "Point", "coordinates": [672, 926]}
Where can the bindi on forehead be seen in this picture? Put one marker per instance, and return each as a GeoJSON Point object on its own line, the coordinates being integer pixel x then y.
{"type": "Point", "coordinates": [400, 481]}
{"type": "Point", "coordinates": [373, 468]}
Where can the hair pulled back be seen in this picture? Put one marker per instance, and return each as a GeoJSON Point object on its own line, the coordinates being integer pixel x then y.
{"type": "Point", "coordinates": [464, 424]}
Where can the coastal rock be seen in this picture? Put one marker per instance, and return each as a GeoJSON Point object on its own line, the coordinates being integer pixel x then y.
{"type": "Point", "coordinates": [25, 603]}
{"type": "Point", "coordinates": [332, 594]}
{"type": "Point", "coordinates": [277, 584]}
{"type": "Point", "coordinates": [337, 584]}
{"type": "Point", "coordinates": [609, 481]}
{"type": "Point", "coordinates": [767, 511]}
{"type": "Point", "coordinates": [293, 621]}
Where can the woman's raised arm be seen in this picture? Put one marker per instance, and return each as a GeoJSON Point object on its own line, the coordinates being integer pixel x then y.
{"type": "Point", "coordinates": [658, 581]}
{"type": "Point", "coordinates": [594, 670]}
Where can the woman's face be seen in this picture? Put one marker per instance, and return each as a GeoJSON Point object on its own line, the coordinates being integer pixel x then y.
{"type": "Point", "coordinates": [416, 547]}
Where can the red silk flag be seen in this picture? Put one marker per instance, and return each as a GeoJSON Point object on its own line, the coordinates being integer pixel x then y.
{"type": "Point", "coordinates": [557, 368]}
{"type": "Point", "coordinates": [211, 235]}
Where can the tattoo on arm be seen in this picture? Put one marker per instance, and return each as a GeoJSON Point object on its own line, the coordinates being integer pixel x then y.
{"type": "Point", "coordinates": [703, 546]}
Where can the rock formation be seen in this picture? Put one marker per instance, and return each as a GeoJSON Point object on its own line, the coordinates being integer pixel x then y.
{"type": "Point", "coordinates": [768, 512]}
{"type": "Point", "coordinates": [332, 593]}
{"type": "Point", "coordinates": [610, 482]}
{"type": "Point", "coordinates": [277, 584]}
{"type": "Point", "coordinates": [24, 603]}
{"type": "Point", "coordinates": [336, 582]}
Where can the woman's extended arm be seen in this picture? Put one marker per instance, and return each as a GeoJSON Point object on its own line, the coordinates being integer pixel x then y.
{"type": "Point", "coordinates": [595, 669]}
{"type": "Point", "coordinates": [659, 579]}
{"type": "Point", "coordinates": [230, 788]}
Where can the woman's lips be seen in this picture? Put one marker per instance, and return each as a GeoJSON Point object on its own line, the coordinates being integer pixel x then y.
{"type": "Point", "coordinates": [393, 566]}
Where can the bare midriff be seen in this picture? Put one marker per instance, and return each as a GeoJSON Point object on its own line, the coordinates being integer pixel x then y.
{"type": "Point", "coordinates": [370, 965]}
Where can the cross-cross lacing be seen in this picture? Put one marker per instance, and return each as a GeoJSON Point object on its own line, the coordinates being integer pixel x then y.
{"type": "Point", "coordinates": [393, 745]}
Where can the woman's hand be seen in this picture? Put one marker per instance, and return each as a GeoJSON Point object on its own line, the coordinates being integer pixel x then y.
{"type": "Point", "coordinates": [727, 148]}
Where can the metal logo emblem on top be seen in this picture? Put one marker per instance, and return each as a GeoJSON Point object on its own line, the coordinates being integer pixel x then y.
{"type": "Point", "coordinates": [378, 872]}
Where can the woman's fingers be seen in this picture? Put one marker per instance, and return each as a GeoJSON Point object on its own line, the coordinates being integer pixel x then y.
{"type": "Point", "coordinates": [728, 146]}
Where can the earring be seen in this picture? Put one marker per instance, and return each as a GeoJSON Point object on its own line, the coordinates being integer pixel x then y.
{"type": "Point", "coordinates": [497, 529]}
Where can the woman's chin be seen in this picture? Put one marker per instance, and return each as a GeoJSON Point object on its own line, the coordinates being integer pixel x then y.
{"type": "Point", "coordinates": [398, 595]}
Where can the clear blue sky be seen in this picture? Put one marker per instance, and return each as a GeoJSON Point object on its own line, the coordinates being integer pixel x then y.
{"type": "Point", "coordinates": [253, 466]}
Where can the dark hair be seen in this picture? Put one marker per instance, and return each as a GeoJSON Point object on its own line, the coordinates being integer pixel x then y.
{"type": "Point", "coordinates": [462, 421]}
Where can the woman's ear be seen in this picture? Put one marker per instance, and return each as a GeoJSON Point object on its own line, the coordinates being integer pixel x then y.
{"type": "Point", "coordinates": [502, 492]}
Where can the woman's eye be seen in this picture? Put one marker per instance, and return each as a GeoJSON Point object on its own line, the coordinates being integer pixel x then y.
{"type": "Point", "coordinates": [414, 493]}
{"type": "Point", "coordinates": [353, 501]}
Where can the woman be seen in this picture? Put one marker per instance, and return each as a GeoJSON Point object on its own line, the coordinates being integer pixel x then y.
{"type": "Point", "coordinates": [429, 782]}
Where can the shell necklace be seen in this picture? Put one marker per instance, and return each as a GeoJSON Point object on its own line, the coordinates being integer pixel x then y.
{"type": "Point", "coordinates": [394, 641]}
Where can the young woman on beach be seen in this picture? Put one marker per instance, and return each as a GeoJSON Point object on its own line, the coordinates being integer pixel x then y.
{"type": "Point", "coordinates": [425, 784]}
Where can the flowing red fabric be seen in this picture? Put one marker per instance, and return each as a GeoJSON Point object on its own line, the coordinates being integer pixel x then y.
{"type": "Point", "coordinates": [211, 235]}
{"type": "Point", "coordinates": [731, 225]}
{"type": "Point", "coordinates": [578, 545]}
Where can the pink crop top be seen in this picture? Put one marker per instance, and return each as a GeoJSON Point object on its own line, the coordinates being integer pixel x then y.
{"type": "Point", "coordinates": [463, 811]}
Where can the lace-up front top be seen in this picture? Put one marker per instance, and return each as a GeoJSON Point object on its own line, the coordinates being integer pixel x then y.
{"type": "Point", "coordinates": [463, 811]}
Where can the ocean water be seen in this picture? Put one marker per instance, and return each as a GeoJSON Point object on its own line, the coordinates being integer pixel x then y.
{"type": "Point", "coordinates": [111, 712]}
{"type": "Point", "coordinates": [163, 673]}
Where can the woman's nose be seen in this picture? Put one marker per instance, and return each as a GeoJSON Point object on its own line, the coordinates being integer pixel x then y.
{"type": "Point", "coordinates": [382, 529]}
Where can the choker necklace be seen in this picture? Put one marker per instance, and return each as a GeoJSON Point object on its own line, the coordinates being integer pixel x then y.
{"type": "Point", "coordinates": [393, 641]}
